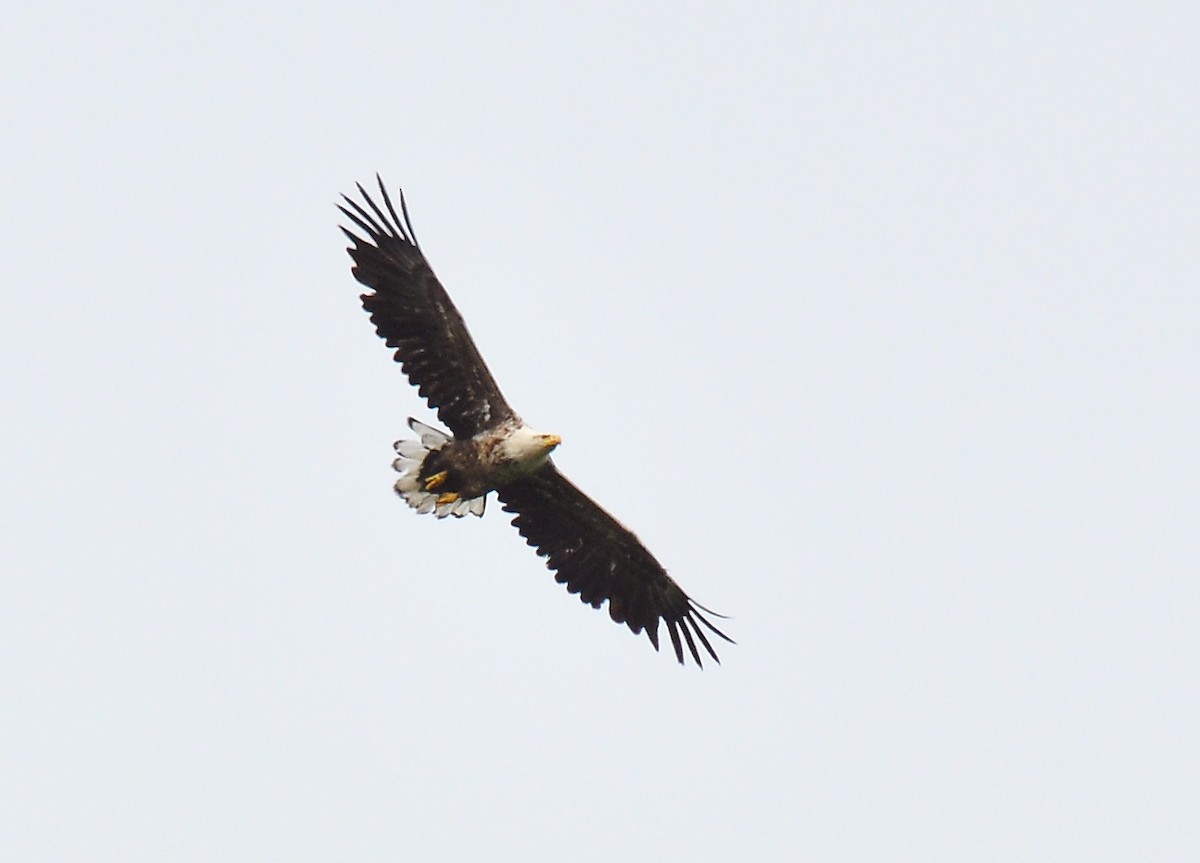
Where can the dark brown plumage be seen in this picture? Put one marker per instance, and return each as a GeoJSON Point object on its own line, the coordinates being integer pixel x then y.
{"type": "Point", "coordinates": [564, 525]}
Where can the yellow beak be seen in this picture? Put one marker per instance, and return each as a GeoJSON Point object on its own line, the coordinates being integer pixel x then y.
{"type": "Point", "coordinates": [550, 441]}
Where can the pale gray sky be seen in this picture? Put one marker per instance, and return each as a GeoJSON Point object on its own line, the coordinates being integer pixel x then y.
{"type": "Point", "coordinates": [879, 325]}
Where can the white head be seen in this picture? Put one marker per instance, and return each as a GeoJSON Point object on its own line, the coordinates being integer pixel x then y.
{"type": "Point", "coordinates": [527, 447]}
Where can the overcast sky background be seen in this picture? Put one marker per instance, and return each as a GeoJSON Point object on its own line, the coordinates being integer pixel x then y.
{"type": "Point", "coordinates": [879, 325]}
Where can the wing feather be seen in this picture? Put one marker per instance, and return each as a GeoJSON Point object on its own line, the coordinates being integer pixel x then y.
{"type": "Point", "coordinates": [413, 313]}
{"type": "Point", "coordinates": [599, 559]}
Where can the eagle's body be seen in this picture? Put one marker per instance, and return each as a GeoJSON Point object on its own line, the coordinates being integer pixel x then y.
{"type": "Point", "coordinates": [491, 449]}
{"type": "Point", "coordinates": [446, 476]}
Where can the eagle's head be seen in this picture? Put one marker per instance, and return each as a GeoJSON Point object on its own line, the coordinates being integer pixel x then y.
{"type": "Point", "coordinates": [527, 447]}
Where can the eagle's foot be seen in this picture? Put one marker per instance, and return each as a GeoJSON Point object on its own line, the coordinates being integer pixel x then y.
{"type": "Point", "coordinates": [436, 481]}
{"type": "Point", "coordinates": [448, 497]}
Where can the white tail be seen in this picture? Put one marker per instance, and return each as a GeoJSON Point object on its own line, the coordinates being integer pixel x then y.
{"type": "Point", "coordinates": [412, 455]}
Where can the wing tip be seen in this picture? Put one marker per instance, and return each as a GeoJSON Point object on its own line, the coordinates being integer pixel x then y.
{"type": "Point", "coordinates": [684, 630]}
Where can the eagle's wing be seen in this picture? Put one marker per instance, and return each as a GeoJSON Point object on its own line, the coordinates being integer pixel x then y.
{"type": "Point", "coordinates": [595, 556]}
{"type": "Point", "coordinates": [413, 313]}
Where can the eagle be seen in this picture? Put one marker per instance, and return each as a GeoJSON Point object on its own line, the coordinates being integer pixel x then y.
{"type": "Point", "coordinates": [491, 449]}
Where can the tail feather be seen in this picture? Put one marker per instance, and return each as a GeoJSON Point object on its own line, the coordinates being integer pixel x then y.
{"type": "Point", "coordinates": [410, 485]}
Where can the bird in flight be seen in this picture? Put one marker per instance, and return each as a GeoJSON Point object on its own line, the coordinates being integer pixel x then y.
{"type": "Point", "coordinates": [491, 449]}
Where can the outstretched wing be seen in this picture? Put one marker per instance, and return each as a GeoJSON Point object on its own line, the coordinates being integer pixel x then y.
{"type": "Point", "coordinates": [413, 313]}
{"type": "Point", "coordinates": [599, 559]}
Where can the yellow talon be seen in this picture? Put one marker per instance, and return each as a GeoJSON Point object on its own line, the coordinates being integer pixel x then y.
{"type": "Point", "coordinates": [448, 497]}
{"type": "Point", "coordinates": [436, 480]}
